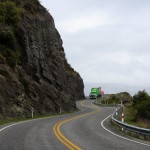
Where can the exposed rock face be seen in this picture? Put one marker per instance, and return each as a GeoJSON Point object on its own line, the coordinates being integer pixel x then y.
{"type": "Point", "coordinates": [43, 79]}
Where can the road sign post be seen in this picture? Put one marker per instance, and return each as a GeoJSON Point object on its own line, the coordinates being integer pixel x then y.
{"type": "Point", "coordinates": [60, 110]}
{"type": "Point", "coordinates": [32, 112]}
{"type": "Point", "coordinates": [116, 112]}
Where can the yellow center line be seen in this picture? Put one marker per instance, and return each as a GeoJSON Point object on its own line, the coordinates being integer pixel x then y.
{"type": "Point", "coordinates": [61, 137]}
{"type": "Point", "coordinates": [58, 137]}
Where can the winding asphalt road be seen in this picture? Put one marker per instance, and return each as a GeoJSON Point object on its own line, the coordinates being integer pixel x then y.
{"type": "Point", "coordinates": [82, 130]}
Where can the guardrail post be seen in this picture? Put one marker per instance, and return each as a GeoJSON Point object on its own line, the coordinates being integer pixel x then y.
{"type": "Point", "coordinates": [60, 110]}
{"type": "Point", "coordinates": [116, 112]}
{"type": "Point", "coordinates": [122, 119]}
{"type": "Point", "coordinates": [130, 128]}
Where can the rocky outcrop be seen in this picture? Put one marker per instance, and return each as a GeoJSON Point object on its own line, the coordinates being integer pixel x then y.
{"type": "Point", "coordinates": [42, 79]}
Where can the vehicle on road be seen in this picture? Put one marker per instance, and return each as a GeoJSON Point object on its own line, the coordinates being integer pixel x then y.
{"type": "Point", "coordinates": [95, 93]}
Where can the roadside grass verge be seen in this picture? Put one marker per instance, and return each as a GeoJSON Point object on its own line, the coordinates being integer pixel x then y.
{"type": "Point", "coordinates": [131, 118]}
{"type": "Point", "coordinates": [12, 120]}
{"type": "Point", "coordinates": [130, 115]}
{"type": "Point", "coordinates": [15, 120]}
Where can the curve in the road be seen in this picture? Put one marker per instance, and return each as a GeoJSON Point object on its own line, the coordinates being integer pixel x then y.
{"type": "Point", "coordinates": [61, 137]}
{"type": "Point", "coordinates": [82, 129]}
{"type": "Point", "coordinates": [102, 124]}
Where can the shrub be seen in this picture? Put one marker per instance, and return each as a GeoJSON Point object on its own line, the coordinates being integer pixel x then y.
{"type": "Point", "coordinates": [9, 21]}
{"type": "Point", "coordinates": [9, 14]}
{"type": "Point", "coordinates": [141, 102]}
{"type": "Point", "coordinates": [143, 109]}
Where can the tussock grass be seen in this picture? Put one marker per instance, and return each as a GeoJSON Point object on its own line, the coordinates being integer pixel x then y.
{"type": "Point", "coordinates": [131, 118]}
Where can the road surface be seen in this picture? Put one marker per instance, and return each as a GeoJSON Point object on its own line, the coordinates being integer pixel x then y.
{"type": "Point", "coordinates": [82, 130]}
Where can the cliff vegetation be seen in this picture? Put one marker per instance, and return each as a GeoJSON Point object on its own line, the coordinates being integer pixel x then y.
{"type": "Point", "coordinates": [34, 72]}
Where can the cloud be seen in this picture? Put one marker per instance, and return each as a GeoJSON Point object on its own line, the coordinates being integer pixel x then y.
{"type": "Point", "coordinates": [107, 42]}
{"type": "Point", "coordinates": [84, 21]}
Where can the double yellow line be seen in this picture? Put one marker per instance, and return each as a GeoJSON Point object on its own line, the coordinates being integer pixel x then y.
{"type": "Point", "coordinates": [62, 138]}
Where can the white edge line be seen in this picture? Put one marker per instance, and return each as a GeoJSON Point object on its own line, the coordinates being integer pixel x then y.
{"type": "Point", "coordinates": [23, 122]}
{"type": "Point", "coordinates": [9, 126]}
{"type": "Point", "coordinates": [102, 124]}
{"type": "Point", "coordinates": [34, 120]}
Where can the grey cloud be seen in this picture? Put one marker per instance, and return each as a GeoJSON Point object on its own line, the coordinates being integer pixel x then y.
{"type": "Point", "coordinates": [106, 41]}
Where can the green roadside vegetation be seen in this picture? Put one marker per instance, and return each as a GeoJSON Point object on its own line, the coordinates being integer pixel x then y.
{"type": "Point", "coordinates": [138, 113]}
{"type": "Point", "coordinates": [15, 120]}
{"type": "Point", "coordinates": [130, 114]}
{"type": "Point", "coordinates": [136, 108]}
{"type": "Point", "coordinates": [117, 98]}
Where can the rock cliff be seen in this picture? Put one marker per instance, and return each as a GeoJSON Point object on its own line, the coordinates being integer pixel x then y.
{"type": "Point", "coordinates": [41, 79]}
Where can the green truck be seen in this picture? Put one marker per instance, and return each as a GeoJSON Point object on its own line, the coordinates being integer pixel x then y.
{"type": "Point", "coordinates": [95, 93]}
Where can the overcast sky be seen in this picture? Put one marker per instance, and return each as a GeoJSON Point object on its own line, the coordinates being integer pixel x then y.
{"type": "Point", "coordinates": [106, 41]}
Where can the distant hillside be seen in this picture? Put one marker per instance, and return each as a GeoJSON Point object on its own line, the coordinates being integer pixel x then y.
{"type": "Point", "coordinates": [136, 108]}
{"type": "Point", "coordinates": [34, 71]}
{"type": "Point", "coordinates": [123, 97]}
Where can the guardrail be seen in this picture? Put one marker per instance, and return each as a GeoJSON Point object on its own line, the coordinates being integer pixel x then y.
{"type": "Point", "coordinates": [131, 128]}
{"type": "Point", "coordinates": [126, 127]}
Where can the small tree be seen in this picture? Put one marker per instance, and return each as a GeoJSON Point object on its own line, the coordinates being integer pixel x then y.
{"type": "Point", "coordinates": [141, 102]}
